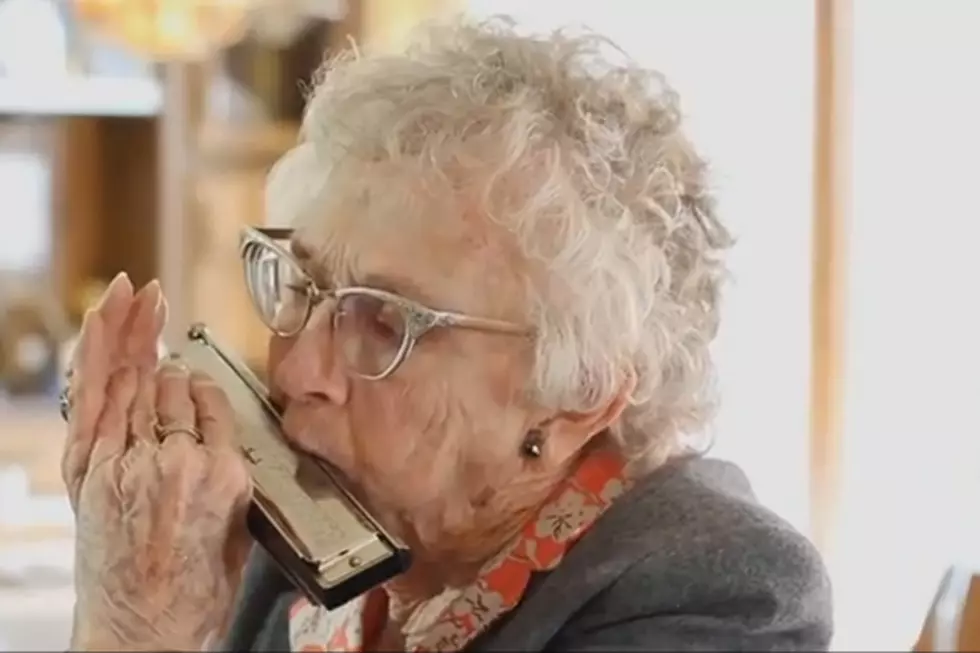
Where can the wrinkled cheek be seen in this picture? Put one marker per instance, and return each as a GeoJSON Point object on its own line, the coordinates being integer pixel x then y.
{"type": "Point", "coordinates": [380, 444]}
{"type": "Point", "coordinates": [311, 432]}
{"type": "Point", "coordinates": [411, 456]}
{"type": "Point", "coordinates": [379, 438]}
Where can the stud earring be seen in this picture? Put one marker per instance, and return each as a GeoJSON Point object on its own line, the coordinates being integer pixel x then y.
{"type": "Point", "coordinates": [533, 442]}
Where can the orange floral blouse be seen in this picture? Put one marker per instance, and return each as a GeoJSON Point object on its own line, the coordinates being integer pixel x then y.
{"type": "Point", "coordinates": [564, 518]}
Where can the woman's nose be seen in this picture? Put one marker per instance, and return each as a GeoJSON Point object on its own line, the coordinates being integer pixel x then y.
{"type": "Point", "coordinates": [306, 366]}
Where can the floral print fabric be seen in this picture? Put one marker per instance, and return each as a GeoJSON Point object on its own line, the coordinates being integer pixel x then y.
{"type": "Point", "coordinates": [563, 519]}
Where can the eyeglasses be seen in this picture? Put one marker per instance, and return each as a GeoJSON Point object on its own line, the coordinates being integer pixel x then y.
{"type": "Point", "coordinates": [374, 330]}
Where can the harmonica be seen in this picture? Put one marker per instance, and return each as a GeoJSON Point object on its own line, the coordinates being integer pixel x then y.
{"type": "Point", "coordinates": [304, 516]}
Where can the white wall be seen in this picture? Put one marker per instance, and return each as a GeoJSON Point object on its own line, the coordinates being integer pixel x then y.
{"type": "Point", "coordinates": [912, 424]}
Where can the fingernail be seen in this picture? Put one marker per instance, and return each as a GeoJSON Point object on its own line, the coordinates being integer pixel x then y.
{"type": "Point", "coordinates": [154, 288]}
{"type": "Point", "coordinates": [118, 288]}
{"type": "Point", "coordinates": [119, 282]}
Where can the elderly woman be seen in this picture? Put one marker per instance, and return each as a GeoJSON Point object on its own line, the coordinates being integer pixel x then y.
{"type": "Point", "coordinates": [534, 446]}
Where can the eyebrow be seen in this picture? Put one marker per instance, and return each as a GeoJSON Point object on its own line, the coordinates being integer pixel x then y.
{"type": "Point", "coordinates": [401, 286]}
{"type": "Point", "coordinates": [305, 255]}
{"type": "Point", "coordinates": [300, 250]}
{"type": "Point", "coordinates": [397, 285]}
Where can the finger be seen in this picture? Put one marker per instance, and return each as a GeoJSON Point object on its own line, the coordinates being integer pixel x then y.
{"type": "Point", "coordinates": [143, 328]}
{"type": "Point", "coordinates": [160, 320]}
{"type": "Point", "coordinates": [114, 298]}
{"type": "Point", "coordinates": [111, 310]}
{"type": "Point", "coordinates": [142, 415]}
{"type": "Point", "coordinates": [90, 373]}
{"type": "Point", "coordinates": [89, 361]}
{"type": "Point", "coordinates": [174, 405]}
{"type": "Point", "coordinates": [93, 361]}
{"type": "Point", "coordinates": [140, 331]}
{"type": "Point", "coordinates": [112, 429]}
{"type": "Point", "coordinates": [114, 308]}
{"type": "Point", "coordinates": [239, 543]}
{"type": "Point", "coordinates": [215, 418]}
{"type": "Point", "coordinates": [97, 342]}
{"type": "Point", "coordinates": [88, 390]}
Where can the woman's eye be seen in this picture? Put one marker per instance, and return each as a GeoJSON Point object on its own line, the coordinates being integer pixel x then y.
{"type": "Point", "coordinates": [383, 318]}
{"type": "Point", "coordinates": [384, 323]}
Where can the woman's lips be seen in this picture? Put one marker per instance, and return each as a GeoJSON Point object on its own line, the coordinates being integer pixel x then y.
{"type": "Point", "coordinates": [301, 436]}
{"type": "Point", "coordinates": [279, 400]}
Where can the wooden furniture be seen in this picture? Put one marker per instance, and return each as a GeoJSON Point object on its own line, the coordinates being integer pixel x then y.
{"type": "Point", "coordinates": [106, 200]}
{"type": "Point", "coordinates": [230, 185]}
{"type": "Point", "coordinates": [969, 631]}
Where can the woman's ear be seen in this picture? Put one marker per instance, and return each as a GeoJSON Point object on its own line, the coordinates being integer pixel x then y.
{"type": "Point", "coordinates": [567, 433]}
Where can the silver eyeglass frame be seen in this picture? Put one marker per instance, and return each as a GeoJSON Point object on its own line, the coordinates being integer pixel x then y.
{"type": "Point", "coordinates": [419, 319]}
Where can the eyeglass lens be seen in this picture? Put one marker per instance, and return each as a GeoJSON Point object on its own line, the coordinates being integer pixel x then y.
{"type": "Point", "coordinates": [369, 331]}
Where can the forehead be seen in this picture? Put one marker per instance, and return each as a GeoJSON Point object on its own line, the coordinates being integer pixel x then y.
{"type": "Point", "coordinates": [439, 252]}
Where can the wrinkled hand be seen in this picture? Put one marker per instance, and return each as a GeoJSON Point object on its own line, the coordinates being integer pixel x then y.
{"type": "Point", "coordinates": [160, 535]}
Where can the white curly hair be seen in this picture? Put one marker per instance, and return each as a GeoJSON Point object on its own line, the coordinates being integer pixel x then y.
{"type": "Point", "coordinates": [583, 160]}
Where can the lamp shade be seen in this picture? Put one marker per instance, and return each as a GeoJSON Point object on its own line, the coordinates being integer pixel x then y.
{"type": "Point", "coordinates": [168, 29]}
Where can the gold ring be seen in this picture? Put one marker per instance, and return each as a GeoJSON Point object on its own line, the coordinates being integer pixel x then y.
{"type": "Point", "coordinates": [164, 432]}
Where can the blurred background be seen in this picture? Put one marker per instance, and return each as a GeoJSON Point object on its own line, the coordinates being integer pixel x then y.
{"type": "Point", "coordinates": [845, 140]}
